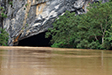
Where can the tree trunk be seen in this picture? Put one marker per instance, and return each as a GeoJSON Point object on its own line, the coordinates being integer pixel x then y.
{"type": "Point", "coordinates": [102, 40]}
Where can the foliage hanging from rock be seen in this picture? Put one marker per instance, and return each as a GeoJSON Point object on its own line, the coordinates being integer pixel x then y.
{"type": "Point", "coordinates": [3, 37]}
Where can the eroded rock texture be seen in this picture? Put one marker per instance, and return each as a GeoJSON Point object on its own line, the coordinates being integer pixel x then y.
{"type": "Point", "coordinates": [31, 17]}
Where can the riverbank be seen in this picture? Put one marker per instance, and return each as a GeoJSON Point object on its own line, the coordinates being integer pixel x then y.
{"type": "Point", "coordinates": [41, 48]}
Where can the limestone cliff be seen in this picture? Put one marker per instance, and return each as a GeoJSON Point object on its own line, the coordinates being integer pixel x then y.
{"type": "Point", "coordinates": [31, 17]}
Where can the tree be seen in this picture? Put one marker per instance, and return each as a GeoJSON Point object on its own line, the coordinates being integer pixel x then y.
{"type": "Point", "coordinates": [92, 30]}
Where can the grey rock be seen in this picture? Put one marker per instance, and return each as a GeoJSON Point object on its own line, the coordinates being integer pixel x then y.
{"type": "Point", "coordinates": [30, 17]}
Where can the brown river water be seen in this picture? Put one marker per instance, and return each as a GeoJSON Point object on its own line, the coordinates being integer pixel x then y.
{"type": "Point", "coordinates": [54, 61]}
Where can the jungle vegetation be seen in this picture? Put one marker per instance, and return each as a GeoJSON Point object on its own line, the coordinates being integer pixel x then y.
{"type": "Point", "coordinates": [3, 34]}
{"type": "Point", "coordinates": [92, 30]}
{"type": "Point", "coordinates": [3, 37]}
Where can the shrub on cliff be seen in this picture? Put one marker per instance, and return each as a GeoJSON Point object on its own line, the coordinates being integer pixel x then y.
{"type": "Point", "coordinates": [2, 14]}
{"type": "Point", "coordinates": [92, 30]}
{"type": "Point", "coordinates": [3, 37]}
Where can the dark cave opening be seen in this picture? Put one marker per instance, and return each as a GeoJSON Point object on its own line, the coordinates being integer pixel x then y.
{"type": "Point", "coordinates": [36, 40]}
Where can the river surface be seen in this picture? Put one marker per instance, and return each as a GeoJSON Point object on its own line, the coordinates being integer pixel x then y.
{"type": "Point", "coordinates": [45, 61]}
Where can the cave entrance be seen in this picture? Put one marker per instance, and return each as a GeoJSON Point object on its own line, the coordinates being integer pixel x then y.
{"type": "Point", "coordinates": [36, 40]}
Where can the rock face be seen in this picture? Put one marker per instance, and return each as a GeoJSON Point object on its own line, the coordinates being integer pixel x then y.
{"type": "Point", "coordinates": [31, 17]}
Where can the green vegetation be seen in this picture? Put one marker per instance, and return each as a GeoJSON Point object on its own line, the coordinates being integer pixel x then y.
{"type": "Point", "coordinates": [27, 25]}
{"type": "Point", "coordinates": [3, 33]}
{"type": "Point", "coordinates": [92, 30]}
{"type": "Point", "coordinates": [26, 5]}
{"type": "Point", "coordinates": [2, 14]}
{"type": "Point", "coordinates": [24, 8]}
{"type": "Point", "coordinates": [11, 2]}
{"type": "Point", "coordinates": [3, 37]}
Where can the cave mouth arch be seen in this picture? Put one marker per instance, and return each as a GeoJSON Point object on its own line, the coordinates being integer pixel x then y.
{"type": "Point", "coordinates": [38, 40]}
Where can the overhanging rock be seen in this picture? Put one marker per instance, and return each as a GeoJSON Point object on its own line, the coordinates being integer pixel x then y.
{"type": "Point", "coordinates": [31, 17]}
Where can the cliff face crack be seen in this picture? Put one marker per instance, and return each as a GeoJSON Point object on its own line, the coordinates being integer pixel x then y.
{"type": "Point", "coordinates": [39, 8]}
{"type": "Point", "coordinates": [28, 5]}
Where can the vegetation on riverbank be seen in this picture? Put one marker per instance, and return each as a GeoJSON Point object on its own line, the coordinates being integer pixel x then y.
{"type": "Point", "coordinates": [3, 34]}
{"type": "Point", "coordinates": [3, 37]}
{"type": "Point", "coordinates": [92, 30]}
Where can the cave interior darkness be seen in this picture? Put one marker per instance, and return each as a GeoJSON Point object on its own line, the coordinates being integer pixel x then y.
{"type": "Point", "coordinates": [38, 40]}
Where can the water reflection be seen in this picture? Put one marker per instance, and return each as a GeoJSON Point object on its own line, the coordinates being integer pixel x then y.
{"type": "Point", "coordinates": [25, 62]}
{"type": "Point", "coordinates": [35, 62]}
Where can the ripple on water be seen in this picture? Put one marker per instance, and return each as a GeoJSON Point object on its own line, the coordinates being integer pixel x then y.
{"type": "Point", "coordinates": [55, 62]}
